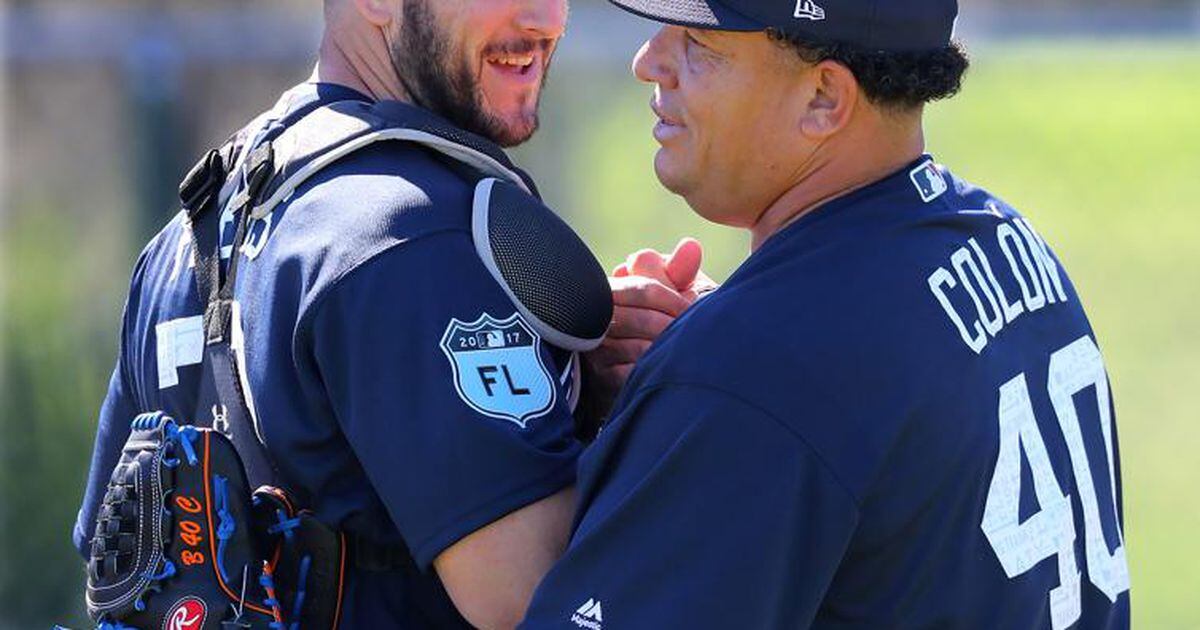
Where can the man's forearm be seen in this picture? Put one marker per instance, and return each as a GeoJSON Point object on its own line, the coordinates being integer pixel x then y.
{"type": "Point", "coordinates": [491, 574]}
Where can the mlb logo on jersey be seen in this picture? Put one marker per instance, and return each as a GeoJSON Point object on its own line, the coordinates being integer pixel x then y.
{"type": "Point", "coordinates": [498, 368]}
{"type": "Point", "coordinates": [929, 181]}
{"type": "Point", "coordinates": [490, 339]}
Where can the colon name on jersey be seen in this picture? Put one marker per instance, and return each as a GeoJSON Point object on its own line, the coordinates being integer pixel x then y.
{"type": "Point", "coordinates": [974, 275]}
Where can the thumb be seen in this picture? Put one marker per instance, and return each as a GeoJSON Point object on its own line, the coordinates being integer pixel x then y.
{"type": "Point", "coordinates": [648, 264]}
{"type": "Point", "coordinates": [684, 263]}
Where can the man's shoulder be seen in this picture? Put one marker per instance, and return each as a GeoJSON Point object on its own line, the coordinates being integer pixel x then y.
{"type": "Point", "coordinates": [858, 306]}
{"type": "Point", "coordinates": [164, 259]}
{"type": "Point", "coordinates": [400, 187]}
{"type": "Point", "coordinates": [387, 196]}
{"type": "Point", "coordinates": [392, 165]}
{"type": "Point", "coordinates": [838, 342]}
{"type": "Point", "coordinates": [815, 312]}
{"type": "Point", "coordinates": [759, 342]}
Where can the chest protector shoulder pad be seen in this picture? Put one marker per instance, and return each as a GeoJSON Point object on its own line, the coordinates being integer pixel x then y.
{"type": "Point", "coordinates": [550, 274]}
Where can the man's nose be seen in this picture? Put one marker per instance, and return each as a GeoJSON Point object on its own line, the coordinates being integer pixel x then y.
{"type": "Point", "coordinates": [544, 18]}
{"type": "Point", "coordinates": [652, 62]}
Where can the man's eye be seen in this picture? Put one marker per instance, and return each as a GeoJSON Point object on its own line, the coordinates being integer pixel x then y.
{"type": "Point", "coordinates": [693, 40]}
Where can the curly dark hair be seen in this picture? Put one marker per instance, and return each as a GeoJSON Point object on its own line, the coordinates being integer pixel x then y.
{"type": "Point", "coordinates": [896, 80]}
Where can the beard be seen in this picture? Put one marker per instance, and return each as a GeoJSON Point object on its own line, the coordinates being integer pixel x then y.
{"type": "Point", "coordinates": [442, 82]}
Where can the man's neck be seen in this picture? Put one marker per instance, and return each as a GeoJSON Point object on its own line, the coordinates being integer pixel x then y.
{"type": "Point", "coordinates": [837, 173]}
{"type": "Point", "coordinates": [361, 62]}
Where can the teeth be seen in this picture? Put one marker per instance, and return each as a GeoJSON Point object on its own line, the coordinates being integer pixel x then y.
{"type": "Point", "coordinates": [520, 61]}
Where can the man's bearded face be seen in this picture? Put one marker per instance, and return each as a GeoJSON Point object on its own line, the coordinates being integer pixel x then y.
{"type": "Point", "coordinates": [480, 65]}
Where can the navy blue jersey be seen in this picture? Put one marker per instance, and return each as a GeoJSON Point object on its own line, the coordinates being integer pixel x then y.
{"type": "Point", "coordinates": [365, 324]}
{"type": "Point", "coordinates": [894, 414]}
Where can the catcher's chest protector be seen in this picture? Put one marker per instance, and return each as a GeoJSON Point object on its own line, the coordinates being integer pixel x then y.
{"type": "Point", "coordinates": [181, 543]}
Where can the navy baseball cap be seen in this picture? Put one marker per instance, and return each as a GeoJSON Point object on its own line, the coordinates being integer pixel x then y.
{"type": "Point", "coordinates": [889, 25]}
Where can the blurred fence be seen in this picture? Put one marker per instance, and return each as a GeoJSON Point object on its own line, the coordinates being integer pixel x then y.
{"type": "Point", "coordinates": [992, 22]}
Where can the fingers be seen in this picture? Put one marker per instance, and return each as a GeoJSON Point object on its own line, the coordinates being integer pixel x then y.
{"type": "Point", "coordinates": [618, 374]}
{"type": "Point", "coordinates": [607, 377]}
{"type": "Point", "coordinates": [679, 269]}
{"type": "Point", "coordinates": [619, 351]}
{"type": "Point", "coordinates": [650, 264]}
{"type": "Point", "coordinates": [683, 265]}
{"type": "Point", "coordinates": [610, 377]}
{"type": "Point", "coordinates": [638, 323]}
{"type": "Point", "coordinates": [701, 285]}
{"type": "Point", "coordinates": [646, 293]}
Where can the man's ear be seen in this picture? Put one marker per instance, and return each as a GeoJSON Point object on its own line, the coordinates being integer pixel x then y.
{"type": "Point", "coordinates": [833, 95]}
{"type": "Point", "coordinates": [378, 12]}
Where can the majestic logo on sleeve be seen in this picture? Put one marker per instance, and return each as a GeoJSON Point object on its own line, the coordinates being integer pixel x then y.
{"type": "Point", "coordinates": [498, 368]}
{"type": "Point", "coordinates": [187, 614]}
{"type": "Point", "coordinates": [589, 615]}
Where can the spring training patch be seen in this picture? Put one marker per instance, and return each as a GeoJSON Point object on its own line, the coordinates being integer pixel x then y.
{"type": "Point", "coordinates": [498, 368]}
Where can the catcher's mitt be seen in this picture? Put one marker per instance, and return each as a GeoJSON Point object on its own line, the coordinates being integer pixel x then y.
{"type": "Point", "coordinates": [181, 545]}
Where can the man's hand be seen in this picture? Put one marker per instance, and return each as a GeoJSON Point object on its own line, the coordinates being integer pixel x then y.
{"type": "Point", "coordinates": [680, 269]}
{"type": "Point", "coordinates": [649, 291]}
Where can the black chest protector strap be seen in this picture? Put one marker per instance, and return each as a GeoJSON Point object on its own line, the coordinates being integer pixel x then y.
{"type": "Point", "coordinates": [330, 133]}
{"type": "Point", "coordinates": [221, 403]}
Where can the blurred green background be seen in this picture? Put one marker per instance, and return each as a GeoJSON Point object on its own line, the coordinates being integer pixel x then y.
{"type": "Point", "coordinates": [1094, 136]}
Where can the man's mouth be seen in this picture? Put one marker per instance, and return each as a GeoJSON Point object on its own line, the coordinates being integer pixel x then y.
{"type": "Point", "coordinates": [520, 60]}
{"type": "Point", "coordinates": [668, 127]}
{"type": "Point", "coordinates": [663, 116]}
{"type": "Point", "coordinates": [520, 63]}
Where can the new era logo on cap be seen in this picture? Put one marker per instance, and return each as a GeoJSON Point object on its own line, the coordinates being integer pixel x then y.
{"type": "Point", "coordinates": [809, 10]}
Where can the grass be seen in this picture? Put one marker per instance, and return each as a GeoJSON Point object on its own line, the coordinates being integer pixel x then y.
{"type": "Point", "coordinates": [1100, 147]}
